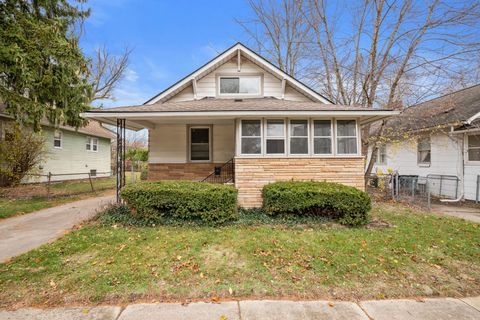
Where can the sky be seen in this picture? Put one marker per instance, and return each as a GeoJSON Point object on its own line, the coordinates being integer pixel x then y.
{"type": "Point", "coordinates": [169, 39]}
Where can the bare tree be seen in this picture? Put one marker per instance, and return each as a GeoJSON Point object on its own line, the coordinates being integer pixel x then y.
{"type": "Point", "coordinates": [379, 53]}
{"type": "Point", "coordinates": [279, 31]}
{"type": "Point", "coordinates": [107, 70]}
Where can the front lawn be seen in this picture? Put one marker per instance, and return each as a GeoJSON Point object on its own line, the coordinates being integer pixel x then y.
{"type": "Point", "coordinates": [14, 207]}
{"type": "Point", "coordinates": [420, 254]}
{"type": "Point", "coordinates": [27, 198]}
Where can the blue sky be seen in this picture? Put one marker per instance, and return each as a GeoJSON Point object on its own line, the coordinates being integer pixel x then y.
{"type": "Point", "coordinates": [169, 39]}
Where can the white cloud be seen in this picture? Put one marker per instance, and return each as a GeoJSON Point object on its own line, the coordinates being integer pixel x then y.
{"type": "Point", "coordinates": [131, 75]}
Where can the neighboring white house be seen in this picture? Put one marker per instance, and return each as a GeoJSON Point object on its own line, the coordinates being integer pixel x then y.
{"type": "Point", "coordinates": [71, 153]}
{"type": "Point", "coordinates": [240, 119]}
{"type": "Point", "coordinates": [437, 137]}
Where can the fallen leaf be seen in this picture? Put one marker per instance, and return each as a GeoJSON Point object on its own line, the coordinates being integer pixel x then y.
{"type": "Point", "coordinates": [331, 304]}
{"type": "Point", "coordinates": [215, 299]}
{"type": "Point", "coordinates": [230, 290]}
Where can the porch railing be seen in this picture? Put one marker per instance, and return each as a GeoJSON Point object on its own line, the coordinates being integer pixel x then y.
{"type": "Point", "coordinates": [222, 174]}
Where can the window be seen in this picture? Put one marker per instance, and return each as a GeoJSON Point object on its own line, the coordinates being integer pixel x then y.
{"type": "Point", "coordinates": [251, 135]}
{"type": "Point", "coordinates": [474, 147]}
{"type": "Point", "coordinates": [93, 172]}
{"type": "Point", "coordinates": [322, 137]}
{"type": "Point", "coordinates": [247, 85]}
{"type": "Point", "coordinates": [382, 154]}
{"type": "Point", "coordinates": [275, 137]}
{"type": "Point", "coordinates": [57, 139]}
{"type": "Point", "coordinates": [423, 150]}
{"type": "Point", "coordinates": [346, 137]}
{"type": "Point", "coordinates": [200, 143]}
{"type": "Point", "coordinates": [298, 136]}
{"type": "Point", "coordinates": [92, 144]}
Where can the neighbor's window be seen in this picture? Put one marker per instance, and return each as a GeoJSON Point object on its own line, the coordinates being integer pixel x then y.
{"type": "Point", "coordinates": [298, 136]}
{"type": "Point", "coordinates": [424, 150]}
{"type": "Point", "coordinates": [346, 137]}
{"type": "Point", "coordinates": [275, 137]}
{"type": "Point", "coordinates": [474, 147]}
{"type": "Point", "coordinates": [200, 143]}
{"type": "Point", "coordinates": [322, 137]}
{"type": "Point", "coordinates": [251, 136]}
{"type": "Point", "coordinates": [93, 172]}
{"type": "Point", "coordinates": [382, 154]}
{"type": "Point", "coordinates": [248, 85]}
{"type": "Point", "coordinates": [57, 139]}
{"type": "Point", "coordinates": [91, 144]}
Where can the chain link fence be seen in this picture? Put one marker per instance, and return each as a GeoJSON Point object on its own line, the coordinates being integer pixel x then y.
{"type": "Point", "coordinates": [65, 184]}
{"type": "Point", "coordinates": [412, 189]}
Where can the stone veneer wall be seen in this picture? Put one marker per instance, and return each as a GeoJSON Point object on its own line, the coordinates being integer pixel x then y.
{"type": "Point", "coordinates": [180, 171]}
{"type": "Point", "coordinates": [251, 174]}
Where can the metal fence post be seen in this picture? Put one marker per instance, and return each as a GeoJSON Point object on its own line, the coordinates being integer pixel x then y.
{"type": "Point", "coordinates": [90, 179]}
{"type": "Point", "coordinates": [48, 184]}
{"type": "Point", "coordinates": [441, 181]}
{"type": "Point", "coordinates": [478, 185]}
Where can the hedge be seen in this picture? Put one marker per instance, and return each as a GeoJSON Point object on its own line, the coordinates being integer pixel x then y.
{"type": "Point", "coordinates": [347, 204]}
{"type": "Point", "coordinates": [185, 200]}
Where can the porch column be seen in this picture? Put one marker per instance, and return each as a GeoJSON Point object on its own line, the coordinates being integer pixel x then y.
{"type": "Point", "coordinates": [120, 158]}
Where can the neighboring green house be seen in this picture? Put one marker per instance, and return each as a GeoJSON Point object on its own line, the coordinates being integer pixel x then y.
{"type": "Point", "coordinates": [71, 153]}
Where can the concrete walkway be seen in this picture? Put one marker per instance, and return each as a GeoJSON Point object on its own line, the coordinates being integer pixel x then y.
{"type": "Point", "coordinates": [24, 233]}
{"type": "Point", "coordinates": [463, 212]}
{"type": "Point", "coordinates": [434, 309]}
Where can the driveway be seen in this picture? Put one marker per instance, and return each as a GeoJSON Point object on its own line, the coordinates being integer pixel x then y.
{"type": "Point", "coordinates": [24, 233]}
{"type": "Point", "coordinates": [463, 212]}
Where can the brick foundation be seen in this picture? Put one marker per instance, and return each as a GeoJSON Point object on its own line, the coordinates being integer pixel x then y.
{"type": "Point", "coordinates": [252, 174]}
{"type": "Point", "coordinates": [180, 171]}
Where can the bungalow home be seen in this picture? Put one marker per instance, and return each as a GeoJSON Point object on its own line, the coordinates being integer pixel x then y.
{"type": "Point", "coordinates": [71, 153]}
{"type": "Point", "coordinates": [437, 138]}
{"type": "Point", "coordinates": [239, 119]}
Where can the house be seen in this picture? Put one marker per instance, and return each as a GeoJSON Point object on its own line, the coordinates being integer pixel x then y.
{"type": "Point", "coordinates": [240, 119]}
{"type": "Point", "coordinates": [439, 138]}
{"type": "Point", "coordinates": [71, 153]}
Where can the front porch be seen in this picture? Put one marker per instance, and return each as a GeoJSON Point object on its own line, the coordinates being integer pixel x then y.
{"type": "Point", "coordinates": [249, 142]}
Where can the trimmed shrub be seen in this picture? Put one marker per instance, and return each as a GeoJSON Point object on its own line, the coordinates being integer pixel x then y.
{"type": "Point", "coordinates": [186, 200]}
{"type": "Point", "coordinates": [347, 204]}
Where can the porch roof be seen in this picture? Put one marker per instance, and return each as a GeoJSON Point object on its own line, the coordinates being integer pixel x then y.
{"type": "Point", "coordinates": [142, 116]}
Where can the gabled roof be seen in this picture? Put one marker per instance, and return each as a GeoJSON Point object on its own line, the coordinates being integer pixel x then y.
{"type": "Point", "coordinates": [454, 109]}
{"type": "Point", "coordinates": [224, 57]}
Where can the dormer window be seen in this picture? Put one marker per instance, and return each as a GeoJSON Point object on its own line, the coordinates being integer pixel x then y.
{"type": "Point", "coordinates": [244, 85]}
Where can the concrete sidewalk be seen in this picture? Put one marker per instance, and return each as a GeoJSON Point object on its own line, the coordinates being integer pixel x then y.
{"type": "Point", "coordinates": [438, 309]}
{"type": "Point", "coordinates": [24, 233]}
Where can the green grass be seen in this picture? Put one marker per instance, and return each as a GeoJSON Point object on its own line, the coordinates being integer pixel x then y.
{"type": "Point", "coordinates": [63, 192]}
{"type": "Point", "coordinates": [308, 260]}
{"type": "Point", "coordinates": [14, 207]}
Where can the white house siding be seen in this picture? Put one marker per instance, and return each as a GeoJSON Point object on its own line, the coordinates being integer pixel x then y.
{"type": "Point", "coordinates": [446, 159]}
{"type": "Point", "coordinates": [73, 157]}
{"type": "Point", "coordinates": [169, 143]}
{"type": "Point", "coordinates": [206, 86]}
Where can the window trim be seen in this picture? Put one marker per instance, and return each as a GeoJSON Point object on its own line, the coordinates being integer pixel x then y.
{"type": "Point", "coordinates": [332, 137]}
{"type": "Point", "coordinates": [266, 137]}
{"type": "Point", "coordinates": [467, 136]}
{"type": "Point", "coordinates": [55, 139]}
{"type": "Point", "coordinates": [210, 143]}
{"type": "Point", "coordinates": [90, 142]}
{"type": "Point", "coordinates": [424, 164]}
{"type": "Point", "coordinates": [357, 138]}
{"type": "Point", "coordinates": [309, 136]}
{"type": "Point", "coordinates": [263, 154]}
{"type": "Point", "coordinates": [239, 95]}
{"type": "Point", "coordinates": [262, 151]}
